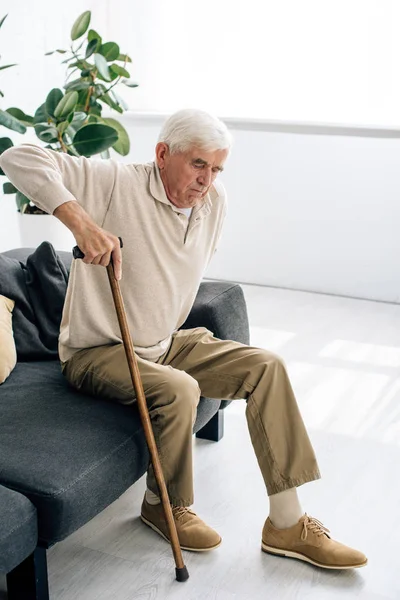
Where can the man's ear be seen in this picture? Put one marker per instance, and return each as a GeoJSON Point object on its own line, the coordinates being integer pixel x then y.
{"type": "Point", "coordinates": [162, 152]}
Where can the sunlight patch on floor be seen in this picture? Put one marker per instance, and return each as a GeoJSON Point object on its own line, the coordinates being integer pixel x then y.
{"type": "Point", "coordinates": [373, 354]}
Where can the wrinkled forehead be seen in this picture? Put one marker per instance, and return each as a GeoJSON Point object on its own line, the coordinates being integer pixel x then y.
{"type": "Point", "coordinates": [207, 157]}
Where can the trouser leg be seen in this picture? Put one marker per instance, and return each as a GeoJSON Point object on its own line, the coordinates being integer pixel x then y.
{"type": "Point", "coordinates": [171, 395]}
{"type": "Point", "coordinates": [230, 370]}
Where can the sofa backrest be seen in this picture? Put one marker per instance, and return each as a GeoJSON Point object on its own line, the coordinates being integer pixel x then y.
{"type": "Point", "coordinates": [36, 279]}
{"type": "Point", "coordinates": [22, 254]}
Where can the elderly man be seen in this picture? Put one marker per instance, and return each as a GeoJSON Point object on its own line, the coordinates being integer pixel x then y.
{"type": "Point", "coordinates": [170, 214]}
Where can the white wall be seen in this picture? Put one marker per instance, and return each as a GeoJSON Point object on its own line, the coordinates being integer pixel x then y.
{"type": "Point", "coordinates": [29, 31]}
{"type": "Point", "coordinates": [331, 61]}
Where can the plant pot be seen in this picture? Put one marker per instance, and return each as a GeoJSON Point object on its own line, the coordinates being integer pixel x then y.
{"type": "Point", "coordinates": [35, 229]}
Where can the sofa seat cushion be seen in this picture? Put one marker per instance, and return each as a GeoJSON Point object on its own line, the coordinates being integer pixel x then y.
{"type": "Point", "coordinates": [70, 454]}
{"type": "Point", "coordinates": [18, 529]}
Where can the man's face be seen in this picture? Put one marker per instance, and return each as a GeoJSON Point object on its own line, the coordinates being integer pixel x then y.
{"type": "Point", "coordinates": [187, 176]}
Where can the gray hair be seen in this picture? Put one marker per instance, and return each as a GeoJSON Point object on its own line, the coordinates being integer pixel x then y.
{"type": "Point", "coordinates": [191, 127]}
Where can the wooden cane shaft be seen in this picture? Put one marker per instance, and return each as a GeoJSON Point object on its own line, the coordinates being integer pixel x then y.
{"type": "Point", "coordinates": [141, 400]}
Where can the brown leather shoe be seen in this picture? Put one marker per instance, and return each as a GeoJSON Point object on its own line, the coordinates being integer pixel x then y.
{"type": "Point", "coordinates": [193, 533]}
{"type": "Point", "coordinates": [308, 540]}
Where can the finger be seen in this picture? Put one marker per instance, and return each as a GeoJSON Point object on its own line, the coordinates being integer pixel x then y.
{"type": "Point", "coordinates": [97, 260]}
{"type": "Point", "coordinates": [105, 259]}
{"type": "Point", "coordinates": [117, 262]}
{"type": "Point", "coordinates": [89, 256]}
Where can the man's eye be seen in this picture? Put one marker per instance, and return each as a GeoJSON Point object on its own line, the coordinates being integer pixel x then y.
{"type": "Point", "coordinates": [198, 165]}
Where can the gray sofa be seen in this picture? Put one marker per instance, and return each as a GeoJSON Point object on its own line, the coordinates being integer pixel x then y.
{"type": "Point", "coordinates": [65, 456]}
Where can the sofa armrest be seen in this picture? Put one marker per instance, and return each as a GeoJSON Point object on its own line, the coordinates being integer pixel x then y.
{"type": "Point", "coordinates": [18, 529]}
{"type": "Point", "coordinates": [220, 306]}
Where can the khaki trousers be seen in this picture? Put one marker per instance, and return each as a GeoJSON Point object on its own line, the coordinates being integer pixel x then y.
{"type": "Point", "coordinates": [195, 364]}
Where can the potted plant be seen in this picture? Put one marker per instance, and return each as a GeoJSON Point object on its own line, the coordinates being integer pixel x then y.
{"type": "Point", "coordinates": [71, 120]}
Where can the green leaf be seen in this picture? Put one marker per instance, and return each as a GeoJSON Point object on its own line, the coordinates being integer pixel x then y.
{"type": "Point", "coordinates": [91, 47]}
{"type": "Point", "coordinates": [41, 115]}
{"type": "Point", "coordinates": [52, 52]}
{"type": "Point", "coordinates": [5, 143]}
{"type": "Point", "coordinates": [73, 152]}
{"type": "Point", "coordinates": [77, 84]}
{"type": "Point", "coordinates": [122, 146]}
{"type": "Point", "coordinates": [7, 66]}
{"type": "Point", "coordinates": [131, 84]}
{"type": "Point", "coordinates": [21, 116]}
{"type": "Point", "coordinates": [9, 188]}
{"type": "Point", "coordinates": [62, 127]}
{"type": "Point", "coordinates": [80, 26]}
{"type": "Point", "coordinates": [3, 19]}
{"type": "Point", "coordinates": [77, 122]}
{"type": "Point", "coordinates": [113, 75]}
{"type": "Point", "coordinates": [102, 66]}
{"type": "Point", "coordinates": [46, 133]}
{"type": "Point", "coordinates": [119, 100]}
{"type": "Point", "coordinates": [22, 202]}
{"type": "Point", "coordinates": [52, 101]}
{"type": "Point", "coordinates": [82, 64]}
{"type": "Point", "coordinates": [120, 71]}
{"type": "Point", "coordinates": [110, 51]}
{"type": "Point", "coordinates": [93, 35]}
{"type": "Point", "coordinates": [66, 105]}
{"type": "Point", "coordinates": [124, 58]}
{"type": "Point", "coordinates": [94, 138]}
{"type": "Point", "coordinates": [110, 102]}
{"type": "Point", "coordinates": [81, 101]}
{"type": "Point", "coordinates": [11, 122]}
{"type": "Point", "coordinates": [99, 90]}
{"type": "Point", "coordinates": [95, 110]}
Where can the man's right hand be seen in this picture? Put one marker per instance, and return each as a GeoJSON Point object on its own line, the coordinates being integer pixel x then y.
{"type": "Point", "coordinates": [98, 245]}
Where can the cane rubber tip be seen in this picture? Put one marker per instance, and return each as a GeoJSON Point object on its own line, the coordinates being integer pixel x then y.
{"type": "Point", "coordinates": [182, 574]}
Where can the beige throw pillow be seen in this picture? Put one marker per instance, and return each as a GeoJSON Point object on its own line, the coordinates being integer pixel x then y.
{"type": "Point", "coordinates": [8, 352]}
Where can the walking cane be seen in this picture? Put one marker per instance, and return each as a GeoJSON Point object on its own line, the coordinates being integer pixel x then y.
{"type": "Point", "coordinates": [180, 568]}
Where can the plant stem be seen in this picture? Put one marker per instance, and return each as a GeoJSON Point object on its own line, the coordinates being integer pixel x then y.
{"type": "Point", "coordinates": [63, 146]}
{"type": "Point", "coordinates": [114, 84]}
{"type": "Point", "coordinates": [90, 92]}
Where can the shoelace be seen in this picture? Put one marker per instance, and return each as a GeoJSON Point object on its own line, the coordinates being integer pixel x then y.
{"type": "Point", "coordinates": [313, 525]}
{"type": "Point", "coordinates": [180, 511]}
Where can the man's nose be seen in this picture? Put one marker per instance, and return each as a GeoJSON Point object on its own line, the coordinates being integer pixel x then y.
{"type": "Point", "coordinates": [205, 177]}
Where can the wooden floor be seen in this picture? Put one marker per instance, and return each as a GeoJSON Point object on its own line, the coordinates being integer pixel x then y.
{"type": "Point", "coordinates": [343, 357]}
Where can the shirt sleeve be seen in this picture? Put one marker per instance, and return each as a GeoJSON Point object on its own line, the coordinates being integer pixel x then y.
{"type": "Point", "coordinates": [50, 178]}
{"type": "Point", "coordinates": [220, 190]}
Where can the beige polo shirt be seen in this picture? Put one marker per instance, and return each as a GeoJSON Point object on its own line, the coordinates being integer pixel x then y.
{"type": "Point", "coordinates": [164, 254]}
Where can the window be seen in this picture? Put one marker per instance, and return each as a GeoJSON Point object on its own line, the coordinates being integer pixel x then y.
{"type": "Point", "coordinates": [325, 61]}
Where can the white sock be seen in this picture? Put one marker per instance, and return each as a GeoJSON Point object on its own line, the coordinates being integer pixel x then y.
{"type": "Point", "coordinates": [285, 509]}
{"type": "Point", "coordinates": [152, 498]}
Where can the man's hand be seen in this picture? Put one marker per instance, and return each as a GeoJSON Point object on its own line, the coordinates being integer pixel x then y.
{"type": "Point", "coordinates": [97, 245]}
